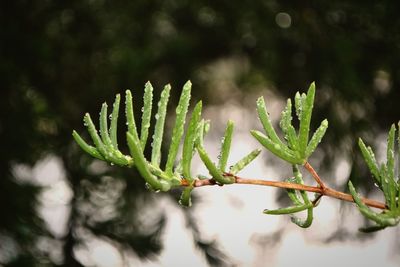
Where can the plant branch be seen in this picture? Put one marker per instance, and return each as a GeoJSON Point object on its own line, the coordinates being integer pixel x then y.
{"type": "Point", "coordinates": [315, 175]}
{"type": "Point", "coordinates": [325, 192]}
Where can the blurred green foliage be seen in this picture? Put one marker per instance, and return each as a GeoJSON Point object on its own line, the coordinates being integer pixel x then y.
{"type": "Point", "coordinates": [59, 59]}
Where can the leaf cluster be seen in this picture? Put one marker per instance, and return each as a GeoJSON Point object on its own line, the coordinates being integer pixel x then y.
{"type": "Point", "coordinates": [387, 181]}
{"type": "Point", "coordinates": [175, 172]}
{"type": "Point", "coordinates": [295, 148]}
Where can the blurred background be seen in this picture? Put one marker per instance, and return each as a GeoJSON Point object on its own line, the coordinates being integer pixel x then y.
{"type": "Point", "coordinates": [60, 59]}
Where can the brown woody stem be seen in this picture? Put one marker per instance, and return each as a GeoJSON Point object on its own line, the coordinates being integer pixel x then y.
{"type": "Point", "coordinates": [314, 174]}
{"type": "Point", "coordinates": [326, 191]}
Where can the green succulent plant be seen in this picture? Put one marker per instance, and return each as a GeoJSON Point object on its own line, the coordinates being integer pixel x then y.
{"type": "Point", "coordinates": [295, 148]}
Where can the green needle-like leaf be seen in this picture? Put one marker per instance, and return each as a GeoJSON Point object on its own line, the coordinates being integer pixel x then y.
{"type": "Point", "coordinates": [226, 146]}
{"type": "Point", "coordinates": [298, 221]}
{"type": "Point", "coordinates": [86, 147]}
{"type": "Point", "coordinates": [188, 145]}
{"type": "Point", "coordinates": [317, 137]}
{"type": "Point", "coordinates": [214, 171]}
{"type": "Point", "coordinates": [293, 194]}
{"type": "Point", "coordinates": [304, 223]}
{"type": "Point", "coordinates": [177, 132]}
{"type": "Point", "coordinates": [289, 210]}
{"type": "Point", "coordinates": [146, 115]}
{"type": "Point", "coordinates": [246, 160]}
{"type": "Point", "coordinates": [199, 134]}
{"type": "Point", "coordinates": [390, 152]}
{"type": "Point", "coordinates": [95, 137]}
{"type": "Point", "coordinates": [140, 162]}
{"type": "Point", "coordinates": [114, 122]}
{"type": "Point", "coordinates": [385, 186]}
{"type": "Point", "coordinates": [159, 128]}
{"type": "Point", "coordinates": [130, 118]}
{"type": "Point", "coordinates": [380, 219]}
{"type": "Point", "coordinates": [398, 159]}
{"type": "Point", "coordinates": [266, 122]}
{"type": "Point", "coordinates": [282, 152]}
{"type": "Point", "coordinates": [287, 127]}
{"type": "Point", "coordinates": [390, 168]}
{"type": "Point", "coordinates": [372, 229]}
{"type": "Point", "coordinates": [369, 158]}
{"type": "Point", "coordinates": [298, 103]}
{"type": "Point", "coordinates": [305, 119]}
{"type": "Point", "coordinates": [103, 126]}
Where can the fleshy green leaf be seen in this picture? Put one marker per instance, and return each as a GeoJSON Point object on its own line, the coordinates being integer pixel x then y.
{"type": "Point", "coordinates": [214, 171]}
{"type": "Point", "coordinates": [398, 159]}
{"type": "Point", "coordinates": [95, 137]}
{"type": "Point", "coordinates": [390, 169]}
{"type": "Point", "coordinates": [226, 146]}
{"type": "Point", "coordinates": [146, 115]}
{"type": "Point", "coordinates": [298, 103]}
{"type": "Point", "coordinates": [141, 163]}
{"type": "Point", "coordinates": [305, 119]}
{"type": "Point", "coordinates": [130, 118]}
{"type": "Point", "coordinates": [298, 221]}
{"type": "Point", "coordinates": [159, 128]}
{"type": "Point", "coordinates": [282, 152]}
{"type": "Point", "coordinates": [188, 145]}
{"type": "Point", "coordinates": [177, 132]}
{"type": "Point", "coordinates": [103, 126]}
{"type": "Point", "coordinates": [372, 229]}
{"type": "Point", "coordinates": [293, 194]}
{"type": "Point", "coordinates": [381, 219]}
{"type": "Point", "coordinates": [287, 127]}
{"type": "Point", "coordinates": [317, 137]}
{"type": "Point", "coordinates": [304, 223]}
{"type": "Point", "coordinates": [86, 147]}
{"type": "Point", "coordinates": [289, 210]}
{"type": "Point", "coordinates": [369, 158]}
{"type": "Point", "coordinates": [246, 160]}
{"type": "Point", "coordinates": [266, 122]}
{"type": "Point", "coordinates": [114, 122]}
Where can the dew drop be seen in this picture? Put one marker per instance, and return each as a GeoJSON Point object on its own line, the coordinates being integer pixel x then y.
{"type": "Point", "coordinates": [112, 164]}
{"type": "Point", "coordinates": [277, 147]}
{"type": "Point", "coordinates": [157, 116]}
{"type": "Point", "coordinates": [376, 185]}
{"type": "Point", "coordinates": [110, 116]}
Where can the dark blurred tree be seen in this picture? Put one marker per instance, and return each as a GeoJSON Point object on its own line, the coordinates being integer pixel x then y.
{"type": "Point", "coordinates": [59, 59]}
